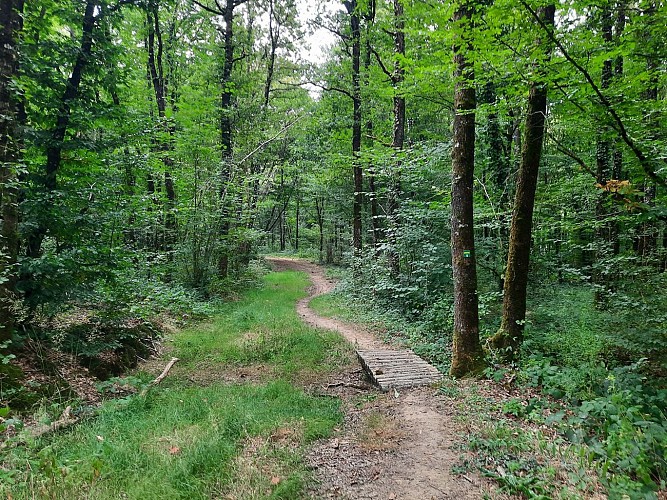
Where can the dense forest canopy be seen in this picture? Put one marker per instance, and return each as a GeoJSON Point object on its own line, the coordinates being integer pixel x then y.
{"type": "Point", "coordinates": [494, 172]}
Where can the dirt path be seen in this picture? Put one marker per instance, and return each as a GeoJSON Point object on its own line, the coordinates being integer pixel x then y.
{"type": "Point", "coordinates": [320, 285]}
{"type": "Point", "coordinates": [400, 445]}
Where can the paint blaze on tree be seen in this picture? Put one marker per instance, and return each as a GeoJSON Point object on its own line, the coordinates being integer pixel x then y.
{"type": "Point", "coordinates": [467, 354]}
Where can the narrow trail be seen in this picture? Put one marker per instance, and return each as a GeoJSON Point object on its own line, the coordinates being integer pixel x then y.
{"type": "Point", "coordinates": [320, 285]}
{"type": "Point", "coordinates": [410, 456]}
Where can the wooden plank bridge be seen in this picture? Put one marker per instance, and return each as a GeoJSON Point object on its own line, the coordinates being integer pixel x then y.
{"type": "Point", "coordinates": [395, 369]}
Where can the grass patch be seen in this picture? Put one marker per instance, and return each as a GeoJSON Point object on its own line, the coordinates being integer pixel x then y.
{"type": "Point", "coordinates": [334, 305]}
{"type": "Point", "coordinates": [264, 328]}
{"type": "Point", "coordinates": [184, 441]}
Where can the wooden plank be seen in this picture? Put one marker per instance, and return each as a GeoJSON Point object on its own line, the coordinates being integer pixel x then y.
{"type": "Point", "coordinates": [397, 368]}
{"type": "Point", "coordinates": [400, 376]}
{"type": "Point", "coordinates": [380, 369]}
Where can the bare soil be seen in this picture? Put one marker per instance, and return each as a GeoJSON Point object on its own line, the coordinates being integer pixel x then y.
{"type": "Point", "coordinates": [396, 445]}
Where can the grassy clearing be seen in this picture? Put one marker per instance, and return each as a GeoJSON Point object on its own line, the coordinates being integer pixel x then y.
{"type": "Point", "coordinates": [190, 441]}
{"type": "Point", "coordinates": [264, 328]}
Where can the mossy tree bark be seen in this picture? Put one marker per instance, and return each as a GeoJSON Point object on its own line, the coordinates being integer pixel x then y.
{"type": "Point", "coordinates": [509, 337]}
{"type": "Point", "coordinates": [467, 354]}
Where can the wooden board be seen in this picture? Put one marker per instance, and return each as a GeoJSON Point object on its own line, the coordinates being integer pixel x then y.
{"type": "Point", "coordinates": [395, 369]}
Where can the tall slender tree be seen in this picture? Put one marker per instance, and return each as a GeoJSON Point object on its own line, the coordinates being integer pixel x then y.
{"type": "Point", "coordinates": [59, 130]}
{"type": "Point", "coordinates": [509, 337]}
{"type": "Point", "coordinates": [398, 131]}
{"type": "Point", "coordinates": [355, 36]}
{"type": "Point", "coordinates": [467, 354]}
{"type": "Point", "coordinates": [226, 11]}
{"type": "Point", "coordinates": [10, 155]}
{"type": "Point", "coordinates": [165, 128]}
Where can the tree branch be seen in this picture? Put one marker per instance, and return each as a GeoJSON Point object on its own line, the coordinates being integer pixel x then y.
{"type": "Point", "coordinates": [377, 139]}
{"type": "Point", "coordinates": [160, 377]}
{"type": "Point", "coordinates": [568, 152]}
{"type": "Point", "coordinates": [210, 9]}
{"type": "Point", "coordinates": [330, 29]}
{"type": "Point", "coordinates": [318, 85]}
{"type": "Point", "coordinates": [639, 154]}
{"type": "Point", "coordinates": [243, 55]}
{"type": "Point", "coordinates": [562, 90]}
{"type": "Point", "coordinates": [271, 139]}
{"type": "Point", "coordinates": [384, 69]}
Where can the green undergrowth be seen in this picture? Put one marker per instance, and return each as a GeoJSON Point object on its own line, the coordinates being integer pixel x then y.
{"type": "Point", "coordinates": [613, 394]}
{"type": "Point", "coordinates": [526, 457]}
{"type": "Point", "coordinates": [580, 418]}
{"type": "Point", "coordinates": [183, 440]}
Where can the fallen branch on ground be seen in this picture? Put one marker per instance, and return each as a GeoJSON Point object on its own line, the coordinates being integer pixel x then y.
{"type": "Point", "coordinates": [65, 420]}
{"type": "Point", "coordinates": [345, 384]}
{"type": "Point", "coordinates": [159, 379]}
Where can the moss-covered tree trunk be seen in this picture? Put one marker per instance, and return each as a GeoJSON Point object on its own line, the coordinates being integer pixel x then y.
{"type": "Point", "coordinates": [510, 335]}
{"type": "Point", "coordinates": [467, 355]}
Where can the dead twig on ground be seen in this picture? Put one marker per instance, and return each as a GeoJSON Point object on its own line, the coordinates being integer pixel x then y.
{"type": "Point", "coordinates": [65, 420]}
{"type": "Point", "coordinates": [345, 384]}
{"type": "Point", "coordinates": [161, 377]}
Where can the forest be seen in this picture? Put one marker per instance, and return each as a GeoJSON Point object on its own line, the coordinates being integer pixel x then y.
{"type": "Point", "coordinates": [486, 179]}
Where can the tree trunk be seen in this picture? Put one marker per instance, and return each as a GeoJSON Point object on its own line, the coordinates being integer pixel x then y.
{"type": "Point", "coordinates": [398, 135]}
{"type": "Point", "coordinates": [617, 165]}
{"type": "Point", "coordinates": [274, 35]}
{"type": "Point", "coordinates": [226, 137]}
{"type": "Point", "coordinates": [11, 12]}
{"type": "Point", "coordinates": [498, 176]}
{"type": "Point", "coordinates": [645, 243]}
{"type": "Point", "coordinates": [296, 222]}
{"type": "Point", "coordinates": [358, 199]}
{"type": "Point", "coordinates": [372, 191]}
{"type": "Point", "coordinates": [319, 210]}
{"type": "Point", "coordinates": [467, 355]}
{"type": "Point", "coordinates": [57, 140]}
{"type": "Point", "coordinates": [509, 337]}
{"type": "Point", "coordinates": [165, 145]}
{"type": "Point", "coordinates": [603, 174]}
